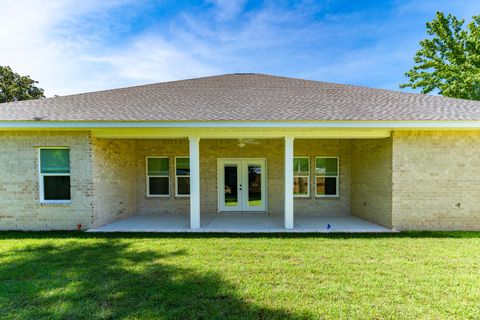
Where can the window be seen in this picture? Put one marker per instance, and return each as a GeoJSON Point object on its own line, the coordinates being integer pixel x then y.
{"type": "Point", "coordinates": [301, 176]}
{"type": "Point", "coordinates": [54, 175]}
{"type": "Point", "coordinates": [158, 177]}
{"type": "Point", "coordinates": [326, 177]}
{"type": "Point", "coordinates": [182, 176]}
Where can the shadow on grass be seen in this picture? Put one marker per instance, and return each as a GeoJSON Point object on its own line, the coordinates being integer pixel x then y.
{"type": "Point", "coordinates": [108, 279]}
{"type": "Point", "coordinates": [4, 235]}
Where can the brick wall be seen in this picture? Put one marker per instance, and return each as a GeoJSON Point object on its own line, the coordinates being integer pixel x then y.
{"type": "Point", "coordinates": [113, 180]}
{"type": "Point", "coordinates": [109, 177]}
{"type": "Point", "coordinates": [328, 148]}
{"type": "Point", "coordinates": [20, 207]}
{"type": "Point", "coordinates": [270, 149]}
{"type": "Point", "coordinates": [436, 180]}
{"type": "Point", "coordinates": [167, 148]}
{"type": "Point", "coordinates": [211, 150]}
{"type": "Point", "coordinates": [424, 168]}
{"type": "Point", "coordinates": [371, 186]}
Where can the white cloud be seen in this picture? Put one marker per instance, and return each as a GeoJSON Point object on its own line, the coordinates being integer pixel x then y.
{"type": "Point", "coordinates": [227, 9]}
{"type": "Point", "coordinates": [31, 43]}
{"type": "Point", "coordinates": [55, 44]}
{"type": "Point", "coordinates": [150, 58]}
{"type": "Point", "coordinates": [74, 46]}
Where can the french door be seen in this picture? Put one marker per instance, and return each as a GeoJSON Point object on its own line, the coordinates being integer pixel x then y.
{"type": "Point", "coordinates": [242, 184]}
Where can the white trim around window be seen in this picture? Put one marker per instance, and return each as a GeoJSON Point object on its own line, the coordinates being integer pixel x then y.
{"type": "Point", "coordinates": [148, 176]}
{"type": "Point", "coordinates": [181, 176]}
{"type": "Point", "coordinates": [298, 174]}
{"type": "Point", "coordinates": [41, 179]}
{"type": "Point", "coordinates": [327, 175]}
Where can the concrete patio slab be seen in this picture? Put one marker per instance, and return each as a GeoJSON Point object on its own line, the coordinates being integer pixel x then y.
{"type": "Point", "coordinates": [245, 223]}
{"type": "Point", "coordinates": [149, 223]}
{"type": "Point", "coordinates": [240, 223]}
{"type": "Point", "coordinates": [310, 223]}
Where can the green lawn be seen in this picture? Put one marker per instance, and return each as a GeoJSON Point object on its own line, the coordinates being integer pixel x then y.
{"type": "Point", "coordinates": [395, 276]}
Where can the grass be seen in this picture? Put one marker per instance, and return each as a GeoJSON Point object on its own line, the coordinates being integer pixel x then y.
{"type": "Point", "coordinates": [190, 276]}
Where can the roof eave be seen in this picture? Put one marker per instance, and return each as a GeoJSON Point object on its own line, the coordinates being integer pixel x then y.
{"type": "Point", "coordinates": [374, 124]}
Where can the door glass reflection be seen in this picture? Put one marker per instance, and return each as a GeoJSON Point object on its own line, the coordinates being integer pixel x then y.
{"type": "Point", "coordinates": [231, 190]}
{"type": "Point", "coordinates": [254, 185]}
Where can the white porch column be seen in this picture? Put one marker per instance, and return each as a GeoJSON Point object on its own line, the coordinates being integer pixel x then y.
{"type": "Point", "coordinates": [194, 143]}
{"type": "Point", "coordinates": [288, 183]}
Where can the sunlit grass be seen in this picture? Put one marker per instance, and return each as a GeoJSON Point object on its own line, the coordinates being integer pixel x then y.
{"type": "Point", "coordinates": [77, 275]}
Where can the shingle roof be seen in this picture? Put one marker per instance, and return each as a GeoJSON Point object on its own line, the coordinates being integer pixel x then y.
{"type": "Point", "coordinates": [236, 97]}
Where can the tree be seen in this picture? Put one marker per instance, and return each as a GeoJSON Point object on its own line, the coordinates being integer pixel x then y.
{"type": "Point", "coordinates": [449, 61]}
{"type": "Point", "coordinates": [14, 87]}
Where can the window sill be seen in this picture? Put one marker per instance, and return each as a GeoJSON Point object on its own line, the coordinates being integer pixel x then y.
{"type": "Point", "coordinates": [301, 197]}
{"type": "Point", "coordinates": [152, 196]}
{"type": "Point", "coordinates": [55, 203]}
{"type": "Point", "coordinates": [327, 197]}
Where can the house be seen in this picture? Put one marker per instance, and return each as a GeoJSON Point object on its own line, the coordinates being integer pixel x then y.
{"type": "Point", "coordinates": [241, 143]}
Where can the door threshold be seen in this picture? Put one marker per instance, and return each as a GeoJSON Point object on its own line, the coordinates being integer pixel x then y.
{"type": "Point", "coordinates": [245, 213]}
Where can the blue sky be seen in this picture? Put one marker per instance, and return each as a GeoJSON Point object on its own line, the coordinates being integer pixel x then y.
{"type": "Point", "coordinates": [76, 46]}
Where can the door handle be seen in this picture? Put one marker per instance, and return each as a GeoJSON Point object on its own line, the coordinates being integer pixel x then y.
{"type": "Point", "coordinates": [240, 188]}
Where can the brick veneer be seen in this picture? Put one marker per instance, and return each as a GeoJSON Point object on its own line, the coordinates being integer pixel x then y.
{"type": "Point", "coordinates": [415, 180]}
{"type": "Point", "coordinates": [436, 180]}
{"type": "Point", "coordinates": [371, 187]}
{"type": "Point", "coordinates": [270, 149]}
{"type": "Point", "coordinates": [113, 180]}
{"type": "Point", "coordinates": [19, 195]}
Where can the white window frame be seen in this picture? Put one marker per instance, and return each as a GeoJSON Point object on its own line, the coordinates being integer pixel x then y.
{"type": "Point", "coordinates": [157, 176]}
{"type": "Point", "coordinates": [303, 176]}
{"type": "Point", "coordinates": [41, 175]}
{"type": "Point", "coordinates": [176, 178]}
{"type": "Point", "coordinates": [325, 176]}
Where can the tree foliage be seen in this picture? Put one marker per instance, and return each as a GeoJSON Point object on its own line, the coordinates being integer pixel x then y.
{"type": "Point", "coordinates": [448, 61]}
{"type": "Point", "coordinates": [14, 87]}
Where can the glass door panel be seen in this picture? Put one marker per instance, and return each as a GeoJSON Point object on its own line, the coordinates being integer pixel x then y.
{"type": "Point", "coordinates": [241, 185]}
{"type": "Point", "coordinates": [231, 186]}
{"type": "Point", "coordinates": [254, 181]}
{"type": "Point", "coordinates": [254, 186]}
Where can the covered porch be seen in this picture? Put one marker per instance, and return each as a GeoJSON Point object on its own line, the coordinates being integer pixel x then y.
{"type": "Point", "coordinates": [241, 223]}
{"type": "Point", "coordinates": [242, 180]}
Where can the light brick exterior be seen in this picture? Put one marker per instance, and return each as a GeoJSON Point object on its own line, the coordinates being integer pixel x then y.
{"type": "Point", "coordinates": [371, 187]}
{"type": "Point", "coordinates": [170, 148]}
{"type": "Point", "coordinates": [436, 180]}
{"type": "Point", "coordinates": [415, 180]}
{"type": "Point", "coordinates": [113, 180]}
{"type": "Point", "coordinates": [271, 150]}
{"type": "Point", "coordinates": [325, 148]}
{"type": "Point", "coordinates": [19, 194]}
{"type": "Point", "coordinates": [211, 150]}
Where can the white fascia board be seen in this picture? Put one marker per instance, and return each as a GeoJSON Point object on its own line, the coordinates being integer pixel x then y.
{"type": "Point", "coordinates": [241, 124]}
